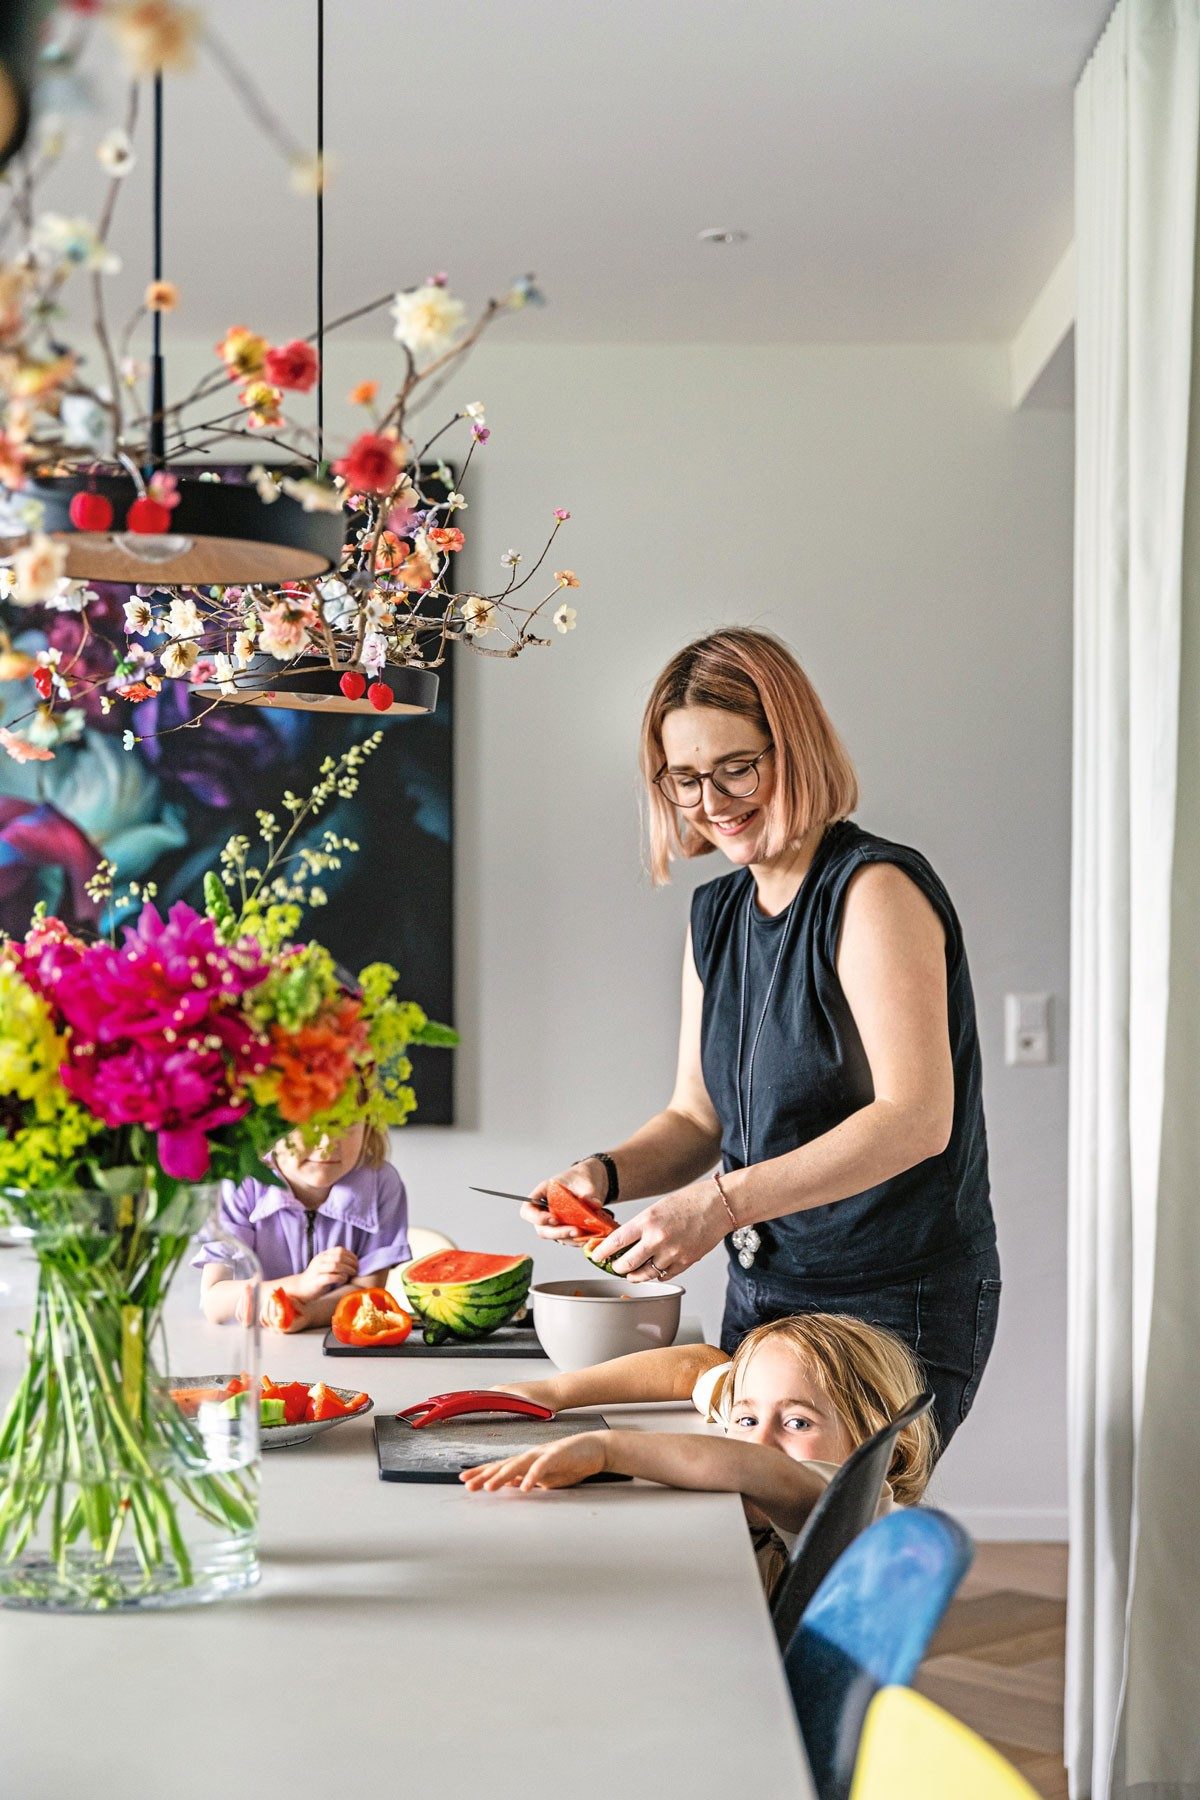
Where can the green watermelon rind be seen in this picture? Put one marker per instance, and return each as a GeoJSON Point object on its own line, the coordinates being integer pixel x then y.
{"type": "Point", "coordinates": [470, 1310]}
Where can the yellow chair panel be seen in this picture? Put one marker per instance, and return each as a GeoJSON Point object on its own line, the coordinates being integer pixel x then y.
{"type": "Point", "coordinates": [912, 1750]}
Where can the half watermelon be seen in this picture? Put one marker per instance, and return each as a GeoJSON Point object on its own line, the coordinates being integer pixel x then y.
{"type": "Point", "coordinates": [466, 1293]}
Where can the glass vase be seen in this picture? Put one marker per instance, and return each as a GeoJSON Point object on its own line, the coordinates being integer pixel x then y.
{"type": "Point", "coordinates": [127, 1479]}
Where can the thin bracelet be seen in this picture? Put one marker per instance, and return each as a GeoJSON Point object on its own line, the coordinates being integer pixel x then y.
{"type": "Point", "coordinates": [724, 1200]}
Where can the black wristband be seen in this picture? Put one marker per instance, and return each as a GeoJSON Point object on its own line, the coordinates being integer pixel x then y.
{"type": "Point", "coordinates": [610, 1169]}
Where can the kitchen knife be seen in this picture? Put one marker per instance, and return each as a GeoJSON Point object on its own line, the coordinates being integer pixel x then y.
{"type": "Point", "coordinates": [502, 1194]}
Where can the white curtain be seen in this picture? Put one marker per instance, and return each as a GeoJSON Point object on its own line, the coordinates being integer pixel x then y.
{"type": "Point", "coordinates": [1133, 1670]}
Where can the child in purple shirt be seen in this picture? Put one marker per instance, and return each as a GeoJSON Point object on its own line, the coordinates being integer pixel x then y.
{"type": "Point", "coordinates": [337, 1220]}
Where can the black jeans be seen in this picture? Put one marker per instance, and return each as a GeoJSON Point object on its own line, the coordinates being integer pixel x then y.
{"type": "Point", "coordinates": [947, 1317]}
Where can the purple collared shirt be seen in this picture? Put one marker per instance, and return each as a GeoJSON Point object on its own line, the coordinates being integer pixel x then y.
{"type": "Point", "coordinates": [366, 1212]}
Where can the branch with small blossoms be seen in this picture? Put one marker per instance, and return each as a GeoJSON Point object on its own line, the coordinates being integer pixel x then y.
{"type": "Point", "coordinates": [390, 601]}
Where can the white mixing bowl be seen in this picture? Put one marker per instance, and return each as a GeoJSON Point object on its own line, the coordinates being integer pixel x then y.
{"type": "Point", "coordinates": [593, 1320]}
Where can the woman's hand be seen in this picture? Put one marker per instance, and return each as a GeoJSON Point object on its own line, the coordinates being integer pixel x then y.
{"type": "Point", "coordinates": [564, 1464]}
{"type": "Point", "coordinates": [669, 1236]}
{"type": "Point", "coordinates": [588, 1179]}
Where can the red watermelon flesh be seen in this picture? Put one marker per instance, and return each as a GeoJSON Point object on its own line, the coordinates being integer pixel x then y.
{"type": "Point", "coordinates": [572, 1209]}
{"type": "Point", "coordinates": [449, 1268]}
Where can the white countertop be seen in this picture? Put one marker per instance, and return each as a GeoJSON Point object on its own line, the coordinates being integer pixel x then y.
{"type": "Point", "coordinates": [421, 1641]}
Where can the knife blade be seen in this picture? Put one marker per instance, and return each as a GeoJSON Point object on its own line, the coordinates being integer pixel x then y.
{"type": "Point", "coordinates": [503, 1194]}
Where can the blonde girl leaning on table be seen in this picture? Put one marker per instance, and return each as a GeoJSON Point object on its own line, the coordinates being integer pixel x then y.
{"type": "Point", "coordinates": [798, 1396]}
{"type": "Point", "coordinates": [336, 1219]}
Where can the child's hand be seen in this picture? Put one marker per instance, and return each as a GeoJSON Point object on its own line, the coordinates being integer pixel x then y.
{"type": "Point", "coordinates": [328, 1269]}
{"type": "Point", "coordinates": [284, 1312]}
{"type": "Point", "coordinates": [562, 1465]}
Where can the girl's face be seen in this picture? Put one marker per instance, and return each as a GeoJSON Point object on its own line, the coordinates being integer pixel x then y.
{"type": "Point", "coordinates": [320, 1166]}
{"type": "Point", "coordinates": [701, 738]}
{"type": "Point", "coordinates": [779, 1402]}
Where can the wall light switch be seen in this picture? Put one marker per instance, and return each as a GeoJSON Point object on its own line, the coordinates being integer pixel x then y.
{"type": "Point", "coordinates": [1026, 1028]}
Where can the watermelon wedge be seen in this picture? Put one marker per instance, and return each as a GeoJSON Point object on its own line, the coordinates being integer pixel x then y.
{"type": "Point", "coordinates": [466, 1293]}
{"type": "Point", "coordinates": [586, 1216]}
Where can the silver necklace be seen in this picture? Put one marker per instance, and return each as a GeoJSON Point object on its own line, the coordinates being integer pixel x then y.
{"type": "Point", "coordinates": [746, 1240]}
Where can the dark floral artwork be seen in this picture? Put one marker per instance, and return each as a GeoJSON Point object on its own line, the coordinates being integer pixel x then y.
{"type": "Point", "coordinates": [162, 810]}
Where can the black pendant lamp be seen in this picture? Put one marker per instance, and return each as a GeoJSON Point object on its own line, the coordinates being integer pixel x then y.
{"type": "Point", "coordinates": [19, 21]}
{"type": "Point", "coordinates": [220, 534]}
{"type": "Point", "coordinates": [309, 683]}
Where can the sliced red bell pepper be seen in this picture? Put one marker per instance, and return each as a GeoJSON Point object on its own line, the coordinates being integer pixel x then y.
{"type": "Point", "coordinates": [237, 1384]}
{"type": "Point", "coordinates": [587, 1216]}
{"type": "Point", "coordinates": [294, 1395]}
{"type": "Point", "coordinates": [323, 1403]}
{"type": "Point", "coordinates": [279, 1310]}
{"type": "Point", "coordinates": [371, 1318]}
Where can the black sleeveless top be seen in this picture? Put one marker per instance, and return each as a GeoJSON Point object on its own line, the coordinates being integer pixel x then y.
{"type": "Point", "coordinates": [811, 1072]}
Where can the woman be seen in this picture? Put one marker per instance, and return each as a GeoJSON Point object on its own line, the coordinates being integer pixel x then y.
{"type": "Point", "coordinates": [828, 1053]}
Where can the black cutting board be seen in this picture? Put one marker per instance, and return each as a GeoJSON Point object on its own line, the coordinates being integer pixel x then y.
{"type": "Point", "coordinates": [509, 1340]}
{"type": "Point", "coordinates": [441, 1452]}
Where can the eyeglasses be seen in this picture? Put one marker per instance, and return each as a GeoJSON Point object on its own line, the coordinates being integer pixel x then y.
{"type": "Point", "coordinates": [737, 779]}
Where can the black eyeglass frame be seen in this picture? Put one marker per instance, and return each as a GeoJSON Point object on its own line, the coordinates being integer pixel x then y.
{"type": "Point", "coordinates": [703, 775]}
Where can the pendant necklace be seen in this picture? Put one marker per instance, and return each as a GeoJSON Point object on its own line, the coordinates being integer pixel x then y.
{"type": "Point", "coordinates": [745, 1239]}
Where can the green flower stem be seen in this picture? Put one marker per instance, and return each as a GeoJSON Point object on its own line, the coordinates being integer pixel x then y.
{"type": "Point", "coordinates": [79, 1421]}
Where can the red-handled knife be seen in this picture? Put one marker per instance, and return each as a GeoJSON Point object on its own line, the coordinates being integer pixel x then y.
{"type": "Point", "coordinates": [469, 1400]}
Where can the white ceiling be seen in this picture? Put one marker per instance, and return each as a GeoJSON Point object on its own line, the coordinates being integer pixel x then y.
{"type": "Point", "coordinates": [903, 166]}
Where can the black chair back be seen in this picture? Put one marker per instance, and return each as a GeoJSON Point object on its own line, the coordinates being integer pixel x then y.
{"type": "Point", "coordinates": [845, 1508]}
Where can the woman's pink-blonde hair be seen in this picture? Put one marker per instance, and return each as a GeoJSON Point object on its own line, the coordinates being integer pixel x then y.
{"type": "Point", "coordinates": [752, 674]}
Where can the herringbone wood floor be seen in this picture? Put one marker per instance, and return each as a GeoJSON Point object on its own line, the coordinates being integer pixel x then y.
{"type": "Point", "coordinates": [997, 1663]}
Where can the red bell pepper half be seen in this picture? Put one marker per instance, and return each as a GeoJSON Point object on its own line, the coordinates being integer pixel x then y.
{"type": "Point", "coordinates": [370, 1319]}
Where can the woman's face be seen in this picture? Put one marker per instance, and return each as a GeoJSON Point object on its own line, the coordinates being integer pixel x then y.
{"type": "Point", "coordinates": [701, 738]}
{"type": "Point", "coordinates": [779, 1401]}
{"type": "Point", "coordinates": [318, 1167]}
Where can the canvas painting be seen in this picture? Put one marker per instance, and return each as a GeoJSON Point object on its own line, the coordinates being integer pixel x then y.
{"type": "Point", "coordinates": [162, 810]}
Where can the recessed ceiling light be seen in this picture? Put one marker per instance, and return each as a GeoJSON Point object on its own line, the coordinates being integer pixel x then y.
{"type": "Point", "coordinates": [721, 234]}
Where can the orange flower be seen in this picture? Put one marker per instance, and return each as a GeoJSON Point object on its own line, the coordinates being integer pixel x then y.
{"type": "Point", "coordinates": [566, 578]}
{"type": "Point", "coordinates": [161, 296]}
{"type": "Point", "coordinates": [364, 394]}
{"type": "Point", "coordinates": [391, 553]}
{"type": "Point", "coordinates": [156, 34]}
{"type": "Point", "coordinates": [314, 1064]}
{"type": "Point", "coordinates": [415, 573]}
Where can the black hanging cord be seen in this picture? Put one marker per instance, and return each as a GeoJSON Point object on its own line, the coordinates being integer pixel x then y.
{"type": "Point", "coordinates": [158, 432]}
{"type": "Point", "coordinates": [321, 230]}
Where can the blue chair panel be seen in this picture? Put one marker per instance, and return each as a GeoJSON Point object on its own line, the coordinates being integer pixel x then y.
{"type": "Point", "coordinates": [868, 1626]}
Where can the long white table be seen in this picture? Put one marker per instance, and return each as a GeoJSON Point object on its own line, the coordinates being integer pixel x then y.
{"type": "Point", "coordinates": [420, 1641]}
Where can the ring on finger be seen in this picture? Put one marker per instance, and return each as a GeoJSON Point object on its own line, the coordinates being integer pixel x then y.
{"type": "Point", "coordinates": [661, 1273]}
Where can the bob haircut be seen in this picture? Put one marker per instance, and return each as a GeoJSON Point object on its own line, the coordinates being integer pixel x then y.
{"type": "Point", "coordinates": [752, 674]}
{"type": "Point", "coordinates": [868, 1373]}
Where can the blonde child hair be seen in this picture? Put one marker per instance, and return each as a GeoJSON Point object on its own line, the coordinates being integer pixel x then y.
{"type": "Point", "coordinates": [868, 1374]}
{"type": "Point", "coordinates": [375, 1147]}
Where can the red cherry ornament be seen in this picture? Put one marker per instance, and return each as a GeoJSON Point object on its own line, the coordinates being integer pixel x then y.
{"type": "Point", "coordinates": [148, 518]}
{"type": "Point", "coordinates": [90, 512]}
{"type": "Point", "coordinates": [353, 684]}
{"type": "Point", "coordinates": [380, 695]}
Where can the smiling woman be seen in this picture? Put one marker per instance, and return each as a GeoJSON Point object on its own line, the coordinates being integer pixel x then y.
{"type": "Point", "coordinates": [828, 1051]}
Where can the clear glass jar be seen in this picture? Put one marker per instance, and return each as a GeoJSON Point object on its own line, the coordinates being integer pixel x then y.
{"type": "Point", "coordinates": [127, 1478]}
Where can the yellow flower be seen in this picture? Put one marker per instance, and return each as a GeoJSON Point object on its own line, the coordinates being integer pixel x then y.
{"type": "Point", "coordinates": [242, 351]}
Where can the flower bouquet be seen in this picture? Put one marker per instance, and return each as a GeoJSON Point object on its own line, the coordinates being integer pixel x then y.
{"type": "Point", "coordinates": [130, 1072]}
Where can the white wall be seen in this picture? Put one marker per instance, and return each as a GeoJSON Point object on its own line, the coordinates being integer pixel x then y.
{"type": "Point", "coordinates": [886, 512]}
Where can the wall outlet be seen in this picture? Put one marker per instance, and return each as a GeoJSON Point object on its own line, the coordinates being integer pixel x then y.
{"type": "Point", "coordinates": [1027, 1028]}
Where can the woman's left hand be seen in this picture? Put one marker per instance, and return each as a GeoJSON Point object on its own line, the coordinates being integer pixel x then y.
{"type": "Point", "coordinates": [668, 1236]}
